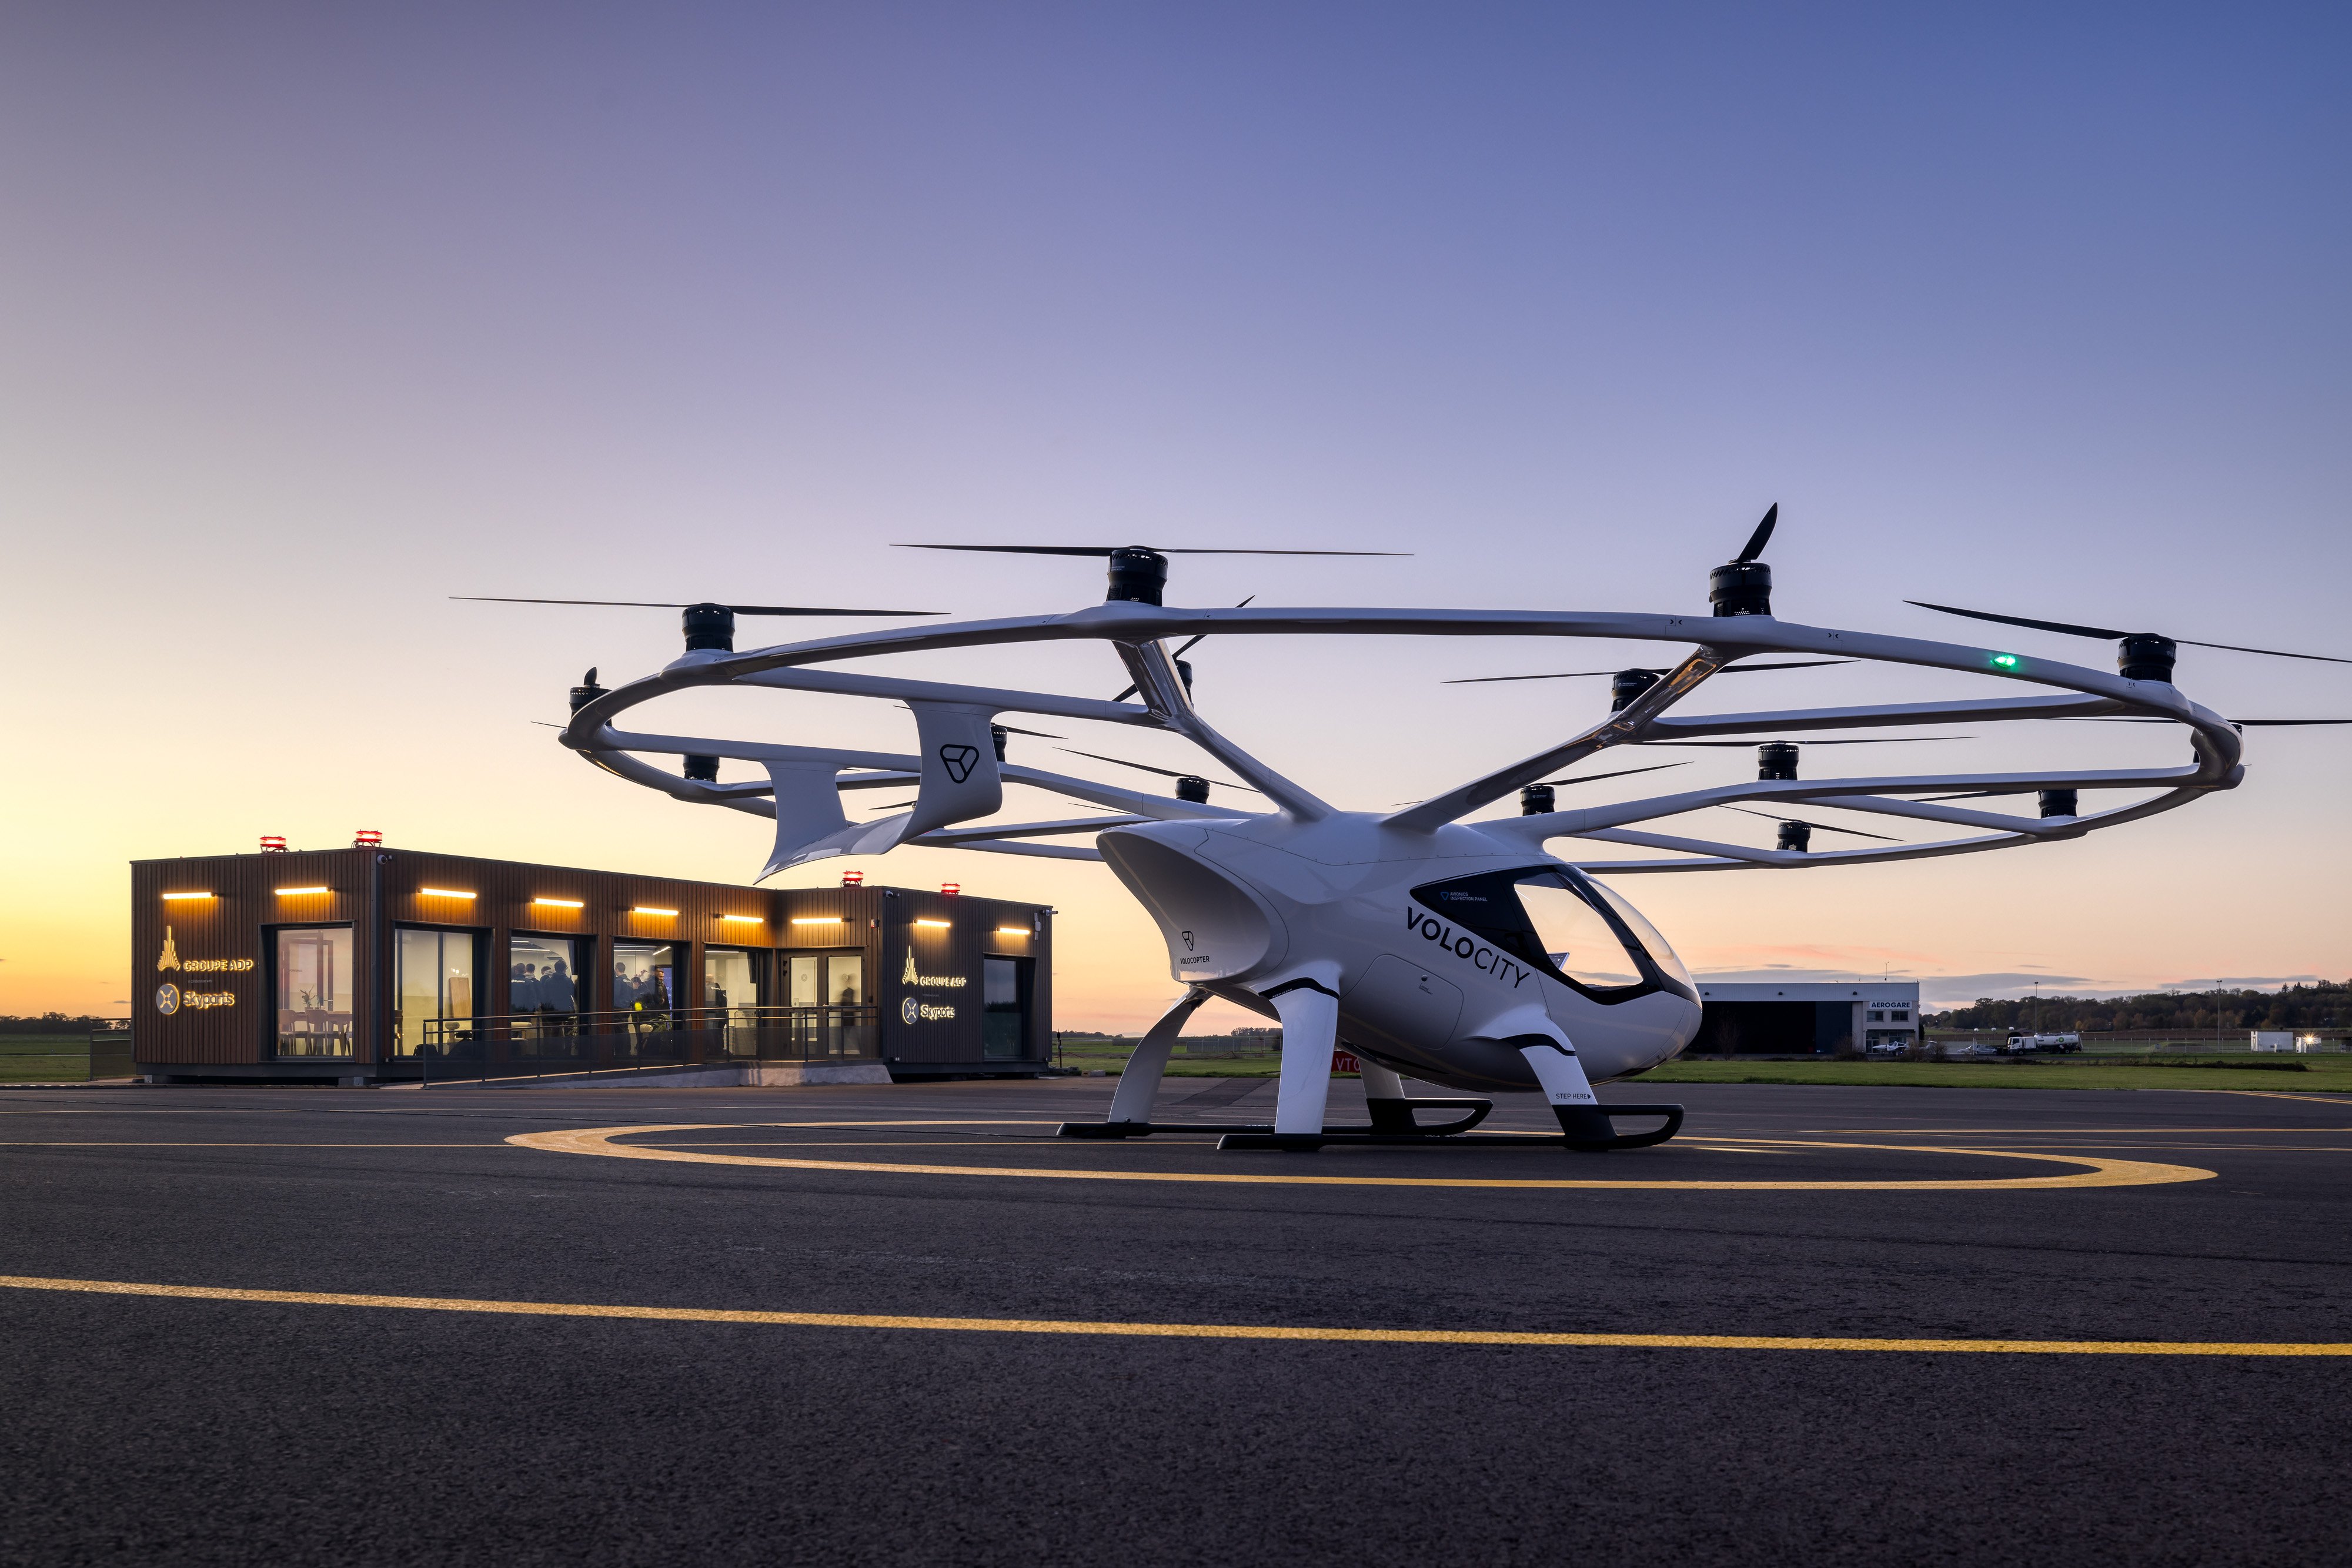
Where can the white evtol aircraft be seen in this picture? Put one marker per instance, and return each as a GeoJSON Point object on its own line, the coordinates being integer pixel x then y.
{"type": "Point", "coordinates": [1460, 952]}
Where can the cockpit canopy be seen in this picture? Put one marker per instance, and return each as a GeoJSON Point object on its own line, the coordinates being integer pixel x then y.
{"type": "Point", "coordinates": [1564, 923]}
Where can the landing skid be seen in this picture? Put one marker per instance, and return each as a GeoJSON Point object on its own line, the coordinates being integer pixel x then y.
{"type": "Point", "coordinates": [1584, 1128]}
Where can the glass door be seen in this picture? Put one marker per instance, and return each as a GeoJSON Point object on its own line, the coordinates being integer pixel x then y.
{"type": "Point", "coordinates": [730, 993]}
{"type": "Point", "coordinates": [432, 992]}
{"type": "Point", "coordinates": [314, 991]}
{"type": "Point", "coordinates": [1005, 1012]}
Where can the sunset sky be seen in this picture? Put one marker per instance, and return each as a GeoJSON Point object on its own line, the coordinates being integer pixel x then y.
{"type": "Point", "coordinates": [312, 317]}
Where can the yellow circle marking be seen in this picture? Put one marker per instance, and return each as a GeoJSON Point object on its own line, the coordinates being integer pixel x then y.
{"type": "Point", "coordinates": [2100, 1172]}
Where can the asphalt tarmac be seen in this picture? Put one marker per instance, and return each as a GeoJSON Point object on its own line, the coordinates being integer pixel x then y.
{"type": "Point", "coordinates": [472, 1413]}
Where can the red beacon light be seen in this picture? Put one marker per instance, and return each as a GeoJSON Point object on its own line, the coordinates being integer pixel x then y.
{"type": "Point", "coordinates": [950, 888]}
{"type": "Point", "coordinates": [367, 839]}
{"type": "Point", "coordinates": [272, 845]}
{"type": "Point", "coordinates": [853, 879]}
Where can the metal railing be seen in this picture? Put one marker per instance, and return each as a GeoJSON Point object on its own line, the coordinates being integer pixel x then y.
{"type": "Point", "coordinates": [534, 1044]}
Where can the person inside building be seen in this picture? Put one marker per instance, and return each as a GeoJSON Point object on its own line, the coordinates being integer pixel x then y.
{"type": "Point", "coordinates": [555, 991]}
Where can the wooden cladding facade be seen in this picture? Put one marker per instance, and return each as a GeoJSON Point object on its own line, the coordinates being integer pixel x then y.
{"type": "Point", "coordinates": [216, 952]}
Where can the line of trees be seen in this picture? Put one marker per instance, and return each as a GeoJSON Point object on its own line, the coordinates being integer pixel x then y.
{"type": "Point", "coordinates": [2320, 1005]}
{"type": "Point", "coordinates": [48, 1023]}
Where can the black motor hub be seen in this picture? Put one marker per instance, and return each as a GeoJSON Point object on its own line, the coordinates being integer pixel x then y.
{"type": "Point", "coordinates": [1740, 588]}
{"type": "Point", "coordinates": [1627, 684]}
{"type": "Point", "coordinates": [709, 626]}
{"type": "Point", "coordinates": [1137, 575]}
{"type": "Point", "coordinates": [2147, 657]}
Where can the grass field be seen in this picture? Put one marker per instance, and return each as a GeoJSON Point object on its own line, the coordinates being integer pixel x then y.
{"type": "Point", "coordinates": [2321, 1074]}
{"type": "Point", "coordinates": [44, 1058]}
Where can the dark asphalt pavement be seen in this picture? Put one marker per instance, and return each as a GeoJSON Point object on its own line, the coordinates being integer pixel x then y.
{"type": "Point", "coordinates": [178, 1431]}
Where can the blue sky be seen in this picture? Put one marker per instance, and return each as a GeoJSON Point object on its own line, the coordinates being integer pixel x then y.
{"type": "Point", "coordinates": [320, 315]}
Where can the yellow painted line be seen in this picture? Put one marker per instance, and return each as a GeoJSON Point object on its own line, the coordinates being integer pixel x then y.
{"type": "Point", "coordinates": [1179, 1331]}
{"type": "Point", "coordinates": [2335, 1098]}
{"type": "Point", "coordinates": [2103, 1132]}
{"type": "Point", "coordinates": [1043, 1143]}
{"type": "Point", "coordinates": [2100, 1172]}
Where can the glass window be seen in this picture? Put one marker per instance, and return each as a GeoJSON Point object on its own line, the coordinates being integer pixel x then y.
{"type": "Point", "coordinates": [1576, 937]}
{"type": "Point", "coordinates": [1661, 953]}
{"type": "Point", "coordinates": [726, 980]}
{"type": "Point", "coordinates": [1004, 1013]}
{"type": "Point", "coordinates": [1546, 918]}
{"type": "Point", "coordinates": [544, 974]}
{"type": "Point", "coordinates": [433, 987]}
{"type": "Point", "coordinates": [844, 979]}
{"type": "Point", "coordinates": [807, 981]}
{"type": "Point", "coordinates": [645, 977]}
{"type": "Point", "coordinates": [314, 992]}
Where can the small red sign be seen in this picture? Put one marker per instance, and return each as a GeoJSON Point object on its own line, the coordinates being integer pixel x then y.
{"type": "Point", "coordinates": [1345, 1061]}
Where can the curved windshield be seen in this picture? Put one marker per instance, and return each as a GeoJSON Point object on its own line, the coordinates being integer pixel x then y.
{"type": "Point", "coordinates": [1549, 919]}
{"type": "Point", "coordinates": [1576, 937]}
{"type": "Point", "coordinates": [1661, 953]}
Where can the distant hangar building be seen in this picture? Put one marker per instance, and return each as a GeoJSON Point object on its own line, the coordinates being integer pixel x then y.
{"type": "Point", "coordinates": [1805, 1019]}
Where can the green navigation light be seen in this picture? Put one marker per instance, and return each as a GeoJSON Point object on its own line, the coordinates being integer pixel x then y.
{"type": "Point", "coordinates": [2004, 661]}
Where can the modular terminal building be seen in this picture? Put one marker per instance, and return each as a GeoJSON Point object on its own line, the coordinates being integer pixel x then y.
{"type": "Point", "coordinates": [1805, 1019]}
{"type": "Point", "coordinates": [374, 965]}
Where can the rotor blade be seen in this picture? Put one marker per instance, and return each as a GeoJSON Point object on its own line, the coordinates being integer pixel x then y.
{"type": "Point", "coordinates": [1016, 729]}
{"type": "Point", "coordinates": [737, 609]}
{"type": "Point", "coordinates": [1578, 675]}
{"type": "Point", "coordinates": [1621, 772]}
{"type": "Point", "coordinates": [1194, 643]}
{"type": "Point", "coordinates": [1162, 550]}
{"type": "Point", "coordinates": [893, 806]}
{"type": "Point", "coordinates": [2238, 723]}
{"type": "Point", "coordinates": [2274, 652]}
{"type": "Point", "coordinates": [1589, 778]}
{"type": "Point", "coordinates": [2110, 635]}
{"type": "Point", "coordinates": [1859, 740]}
{"type": "Point", "coordinates": [1180, 652]}
{"type": "Point", "coordinates": [1147, 768]}
{"type": "Point", "coordinates": [2065, 627]}
{"type": "Point", "coordinates": [1763, 532]}
{"type": "Point", "coordinates": [1821, 827]}
{"type": "Point", "coordinates": [1561, 675]}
